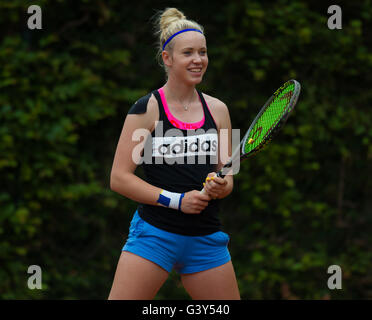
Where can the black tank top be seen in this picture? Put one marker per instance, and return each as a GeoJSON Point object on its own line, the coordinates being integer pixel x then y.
{"type": "Point", "coordinates": [178, 157]}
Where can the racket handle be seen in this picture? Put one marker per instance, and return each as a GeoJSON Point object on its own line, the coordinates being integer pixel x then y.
{"type": "Point", "coordinates": [219, 174]}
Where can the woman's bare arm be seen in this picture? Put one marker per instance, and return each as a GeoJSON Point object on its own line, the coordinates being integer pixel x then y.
{"type": "Point", "coordinates": [123, 180]}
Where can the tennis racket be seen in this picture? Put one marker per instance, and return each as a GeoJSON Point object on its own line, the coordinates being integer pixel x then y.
{"type": "Point", "coordinates": [266, 125]}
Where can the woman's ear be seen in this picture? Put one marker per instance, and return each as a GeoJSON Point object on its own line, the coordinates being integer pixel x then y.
{"type": "Point", "coordinates": [167, 58]}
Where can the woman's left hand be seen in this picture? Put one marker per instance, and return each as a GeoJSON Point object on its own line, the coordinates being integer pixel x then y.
{"type": "Point", "coordinates": [215, 186]}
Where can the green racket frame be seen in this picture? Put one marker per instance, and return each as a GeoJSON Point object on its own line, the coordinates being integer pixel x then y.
{"type": "Point", "coordinates": [248, 147]}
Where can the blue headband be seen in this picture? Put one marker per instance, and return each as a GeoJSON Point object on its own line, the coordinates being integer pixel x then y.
{"type": "Point", "coordinates": [184, 30]}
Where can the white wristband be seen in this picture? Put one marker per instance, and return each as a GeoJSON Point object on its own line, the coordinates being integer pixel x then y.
{"type": "Point", "coordinates": [170, 199]}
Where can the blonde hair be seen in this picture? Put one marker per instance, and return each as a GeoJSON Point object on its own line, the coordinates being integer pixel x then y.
{"type": "Point", "coordinates": [168, 22]}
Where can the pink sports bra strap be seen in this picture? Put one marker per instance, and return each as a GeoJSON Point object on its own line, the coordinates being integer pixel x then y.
{"type": "Point", "coordinates": [176, 122]}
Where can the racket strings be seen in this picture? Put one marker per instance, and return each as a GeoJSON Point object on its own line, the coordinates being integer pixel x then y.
{"type": "Point", "coordinates": [281, 107]}
{"type": "Point", "coordinates": [269, 119]}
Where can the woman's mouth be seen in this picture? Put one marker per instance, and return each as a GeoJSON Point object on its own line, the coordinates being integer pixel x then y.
{"type": "Point", "coordinates": [195, 70]}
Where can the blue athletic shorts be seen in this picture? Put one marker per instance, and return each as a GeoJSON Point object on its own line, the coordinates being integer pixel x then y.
{"type": "Point", "coordinates": [186, 254]}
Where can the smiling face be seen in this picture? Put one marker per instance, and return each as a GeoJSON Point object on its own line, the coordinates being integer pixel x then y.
{"type": "Point", "coordinates": [187, 61]}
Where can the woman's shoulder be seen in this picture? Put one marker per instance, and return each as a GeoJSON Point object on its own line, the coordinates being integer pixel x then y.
{"type": "Point", "coordinates": [214, 102]}
{"type": "Point", "coordinates": [146, 111]}
{"type": "Point", "coordinates": [218, 109]}
{"type": "Point", "coordinates": [147, 103]}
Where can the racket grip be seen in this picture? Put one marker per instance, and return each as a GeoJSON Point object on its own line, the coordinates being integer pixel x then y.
{"type": "Point", "coordinates": [219, 174]}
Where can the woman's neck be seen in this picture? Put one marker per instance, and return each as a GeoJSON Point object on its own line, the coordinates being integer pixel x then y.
{"type": "Point", "coordinates": [180, 92]}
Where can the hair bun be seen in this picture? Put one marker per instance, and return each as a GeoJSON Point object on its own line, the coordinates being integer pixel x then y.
{"type": "Point", "coordinates": [168, 23]}
{"type": "Point", "coordinates": [169, 16]}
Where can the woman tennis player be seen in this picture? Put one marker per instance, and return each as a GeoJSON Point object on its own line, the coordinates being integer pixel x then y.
{"type": "Point", "coordinates": [175, 226]}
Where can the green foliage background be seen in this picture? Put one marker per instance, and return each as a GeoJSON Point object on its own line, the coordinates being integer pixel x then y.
{"type": "Point", "coordinates": [298, 207]}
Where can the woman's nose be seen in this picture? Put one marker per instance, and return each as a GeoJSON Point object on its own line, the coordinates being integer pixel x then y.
{"type": "Point", "coordinates": [197, 58]}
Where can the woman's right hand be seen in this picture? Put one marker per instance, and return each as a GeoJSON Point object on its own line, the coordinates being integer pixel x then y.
{"type": "Point", "coordinates": [194, 202]}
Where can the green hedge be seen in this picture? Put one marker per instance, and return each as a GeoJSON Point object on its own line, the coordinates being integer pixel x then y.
{"type": "Point", "coordinates": [298, 207]}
